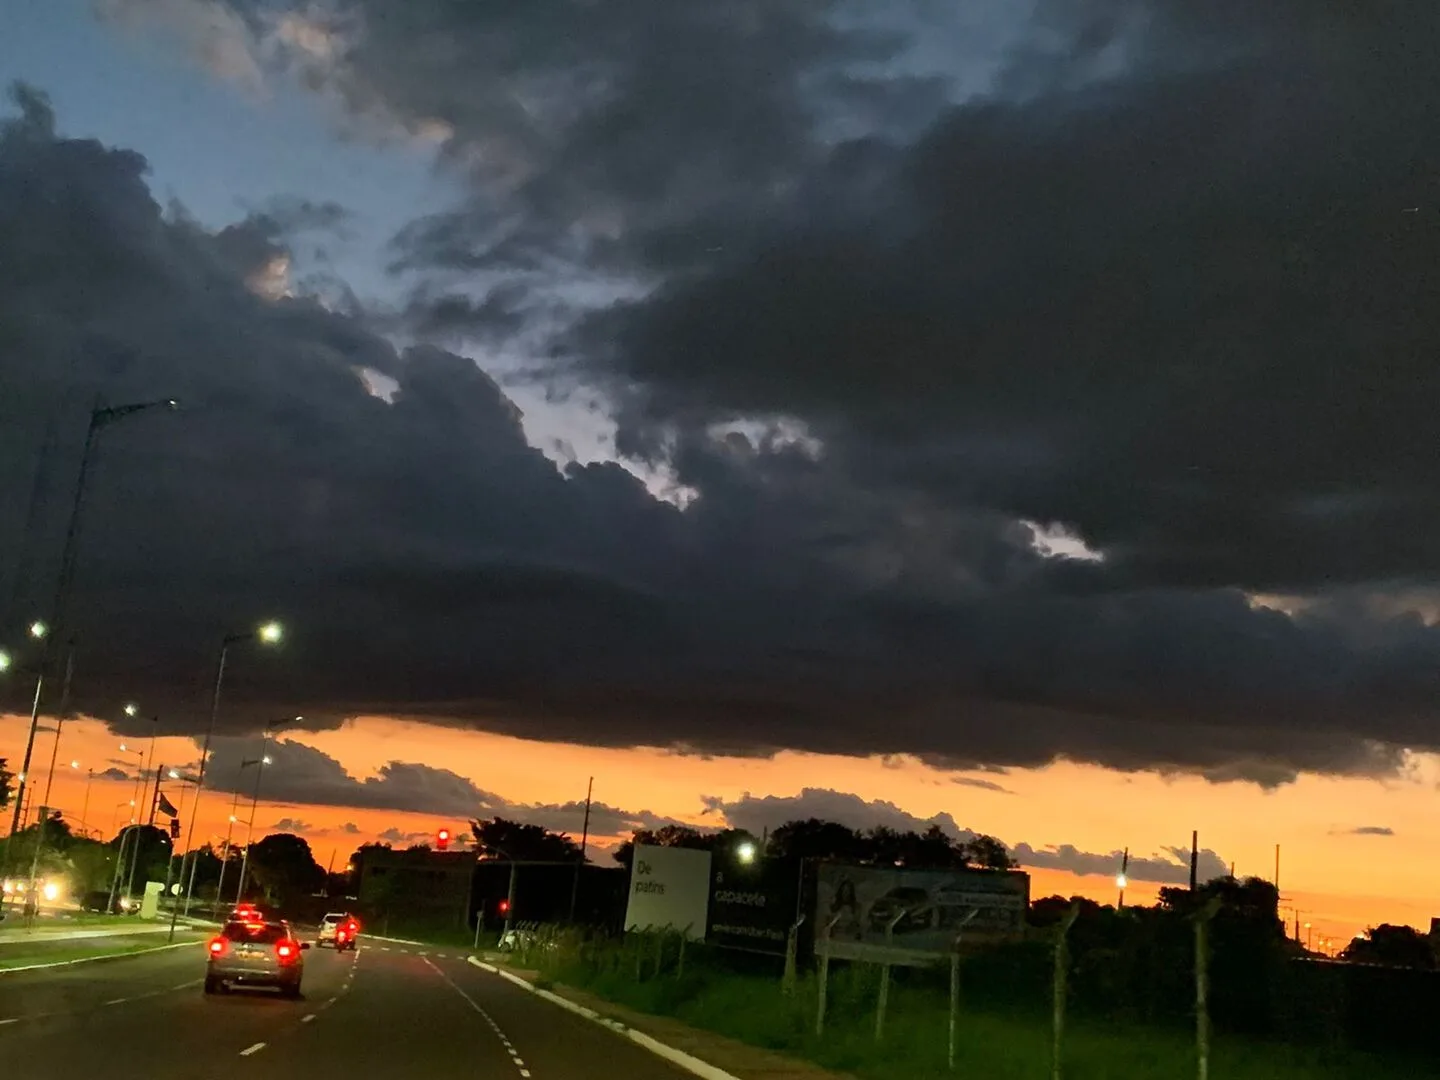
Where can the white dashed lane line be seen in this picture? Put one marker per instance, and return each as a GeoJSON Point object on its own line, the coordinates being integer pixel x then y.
{"type": "Point", "coordinates": [10, 1020]}
{"type": "Point", "coordinates": [307, 1018]}
{"type": "Point", "coordinates": [252, 1049]}
{"type": "Point", "coordinates": [515, 1057]}
{"type": "Point", "coordinates": [117, 1001]}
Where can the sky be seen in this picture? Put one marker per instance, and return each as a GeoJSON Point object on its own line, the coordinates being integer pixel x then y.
{"type": "Point", "coordinates": [1013, 418]}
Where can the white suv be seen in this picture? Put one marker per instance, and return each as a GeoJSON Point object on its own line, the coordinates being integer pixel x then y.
{"type": "Point", "coordinates": [337, 930]}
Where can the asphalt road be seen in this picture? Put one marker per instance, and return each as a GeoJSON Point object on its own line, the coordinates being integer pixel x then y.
{"type": "Point", "coordinates": [385, 1010]}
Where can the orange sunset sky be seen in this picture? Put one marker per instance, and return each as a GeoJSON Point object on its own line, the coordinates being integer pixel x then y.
{"type": "Point", "coordinates": [1338, 880]}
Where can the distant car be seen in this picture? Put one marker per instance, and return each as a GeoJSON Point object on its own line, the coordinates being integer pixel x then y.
{"type": "Point", "coordinates": [262, 952]}
{"type": "Point", "coordinates": [340, 930]}
{"type": "Point", "coordinates": [911, 903]}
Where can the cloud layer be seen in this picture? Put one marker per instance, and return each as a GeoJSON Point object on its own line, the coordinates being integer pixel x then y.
{"type": "Point", "coordinates": [1115, 269]}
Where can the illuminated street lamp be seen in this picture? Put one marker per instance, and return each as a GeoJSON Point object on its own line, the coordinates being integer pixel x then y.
{"type": "Point", "coordinates": [260, 763]}
{"type": "Point", "coordinates": [745, 851]}
{"type": "Point", "coordinates": [268, 633]}
{"type": "Point", "coordinates": [5, 660]}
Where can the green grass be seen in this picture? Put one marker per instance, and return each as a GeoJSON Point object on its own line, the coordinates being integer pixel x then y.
{"type": "Point", "coordinates": [20, 956]}
{"type": "Point", "coordinates": [752, 1009]}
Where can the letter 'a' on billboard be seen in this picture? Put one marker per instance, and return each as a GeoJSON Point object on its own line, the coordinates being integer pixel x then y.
{"type": "Point", "coordinates": [669, 889]}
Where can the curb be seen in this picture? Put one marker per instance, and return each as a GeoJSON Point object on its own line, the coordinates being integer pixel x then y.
{"type": "Point", "coordinates": [680, 1058]}
{"type": "Point", "coordinates": [94, 959]}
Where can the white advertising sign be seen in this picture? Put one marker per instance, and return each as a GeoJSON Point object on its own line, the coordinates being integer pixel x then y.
{"type": "Point", "coordinates": [669, 888]}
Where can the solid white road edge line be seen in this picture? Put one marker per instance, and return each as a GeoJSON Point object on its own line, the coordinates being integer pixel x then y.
{"type": "Point", "coordinates": [92, 959]}
{"type": "Point", "coordinates": [689, 1062]}
{"type": "Point", "coordinates": [252, 1049]}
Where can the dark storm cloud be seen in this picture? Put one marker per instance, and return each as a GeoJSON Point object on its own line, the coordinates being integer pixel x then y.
{"type": "Point", "coordinates": [1156, 284]}
{"type": "Point", "coordinates": [1184, 310]}
{"type": "Point", "coordinates": [300, 775]}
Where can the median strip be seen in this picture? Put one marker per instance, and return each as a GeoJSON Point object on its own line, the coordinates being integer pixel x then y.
{"type": "Point", "coordinates": [121, 955]}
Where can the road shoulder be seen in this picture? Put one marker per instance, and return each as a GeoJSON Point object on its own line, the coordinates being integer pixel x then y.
{"type": "Point", "coordinates": [726, 1058]}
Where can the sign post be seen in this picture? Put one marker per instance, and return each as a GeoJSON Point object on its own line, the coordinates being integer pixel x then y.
{"type": "Point", "coordinates": [669, 889]}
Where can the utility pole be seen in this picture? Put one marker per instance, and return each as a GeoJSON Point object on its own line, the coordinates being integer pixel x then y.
{"type": "Point", "coordinates": [1194, 857]}
{"type": "Point", "coordinates": [584, 843]}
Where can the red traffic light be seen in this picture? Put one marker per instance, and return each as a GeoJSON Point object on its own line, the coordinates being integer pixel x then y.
{"type": "Point", "coordinates": [504, 906]}
{"type": "Point", "coordinates": [442, 839]}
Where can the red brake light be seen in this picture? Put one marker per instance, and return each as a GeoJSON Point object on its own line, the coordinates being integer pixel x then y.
{"type": "Point", "coordinates": [285, 950]}
{"type": "Point", "coordinates": [217, 947]}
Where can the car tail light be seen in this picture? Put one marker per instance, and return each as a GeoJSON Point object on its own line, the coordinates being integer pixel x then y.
{"type": "Point", "coordinates": [217, 946]}
{"type": "Point", "coordinates": [340, 934]}
{"type": "Point", "coordinates": [286, 950]}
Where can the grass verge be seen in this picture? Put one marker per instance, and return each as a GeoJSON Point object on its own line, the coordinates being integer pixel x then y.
{"type": "Point", "coordinates": [21, 957]}
{"type": "Point", "coordinates": [752, 1009]}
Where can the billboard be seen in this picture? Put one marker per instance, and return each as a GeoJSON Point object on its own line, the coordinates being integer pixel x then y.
{"type": "Point", "coordinates": [669, 887]}
{"type": "Point", "coordinates": [753, 907]}
{"type": "Point", "coordinates": [927, 907]}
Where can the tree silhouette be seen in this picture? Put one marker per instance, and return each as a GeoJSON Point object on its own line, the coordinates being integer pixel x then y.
{"type": "Point", "coordinates": [498, 838]}
{"type": "Point", "coordinates": [1393, 946]}
{"type": "Point", "coordinates": [283, 866]}
{"type": "Point", "coordinates": [812, 838]}
{"type": "Point", "coordinates": [989, 853]}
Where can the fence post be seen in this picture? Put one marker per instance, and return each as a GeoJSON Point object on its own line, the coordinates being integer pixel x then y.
{"type": "Point", "coordinates": [824, 980]}
{"type": "Point", "coordinates": [1202, 987]}
{"type": "Point", "coordinates": [1062, 967]}
{"type": "Point", "coordinates": [792, 948]}
{"type": "Point", "coordinates": [955, 986]}
{"type": "Point", "coordinates": [884, 1001]}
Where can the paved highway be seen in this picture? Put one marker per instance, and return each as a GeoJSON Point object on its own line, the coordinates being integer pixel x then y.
{"type": "Point", "coordinates": [387, 1010]}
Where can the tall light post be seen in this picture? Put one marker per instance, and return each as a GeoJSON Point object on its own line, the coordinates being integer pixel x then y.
{"type": "Point", "coordinates": [269, 633]}
{"type": "Point", "coordinates": [259, 763]}
{"type": "Point", "coordinates": [85, 807]}
{"type": "Point", "coordinates": [101, 417]}
{"type": "Point", "coordinates": [144, 772]}
{"type": "Point", "coordinates": [39, 631]}
{"type": "Point", "coordinates": [129, 829]}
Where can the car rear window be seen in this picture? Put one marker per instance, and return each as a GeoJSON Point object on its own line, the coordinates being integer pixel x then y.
{"type": "Point", "coordinates": [261, 934]}
{"type": "Point", "coordinates": [332, 919]}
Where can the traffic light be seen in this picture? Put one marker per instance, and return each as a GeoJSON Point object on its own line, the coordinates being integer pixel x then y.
{"type": "Point", "coordinates": [174, 828]}
{"type": "Point", "coordinates": [504, 907]}
{"type": "Point", "coordinates": [442, 839]}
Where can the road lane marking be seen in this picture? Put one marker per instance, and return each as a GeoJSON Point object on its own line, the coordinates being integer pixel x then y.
{"type": "Point", "coordinates": [515, 1057]}
{"type": "Point", "coordinates": [117, 1001]}
{"type": "Point", "coordinates": [10, 1020]}
{"type": "Point", "coordinates": [307, 1018]}
{"type": "Point", "coordinates": [252, 1049]}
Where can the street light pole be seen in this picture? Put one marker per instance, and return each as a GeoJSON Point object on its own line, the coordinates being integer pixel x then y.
{"type": "Point", "coordinates": [225, 857]}
{"type": "Point", "coordinates": [38, 630]}
{"type": "Point", "coordinates": [85, 809]}
{"type": "Point", "coordinates": [101, 416]}
{"type": "Point", "coordinates": [259, 764]}
{"type": "Point", "coordinates": [269, 633]}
